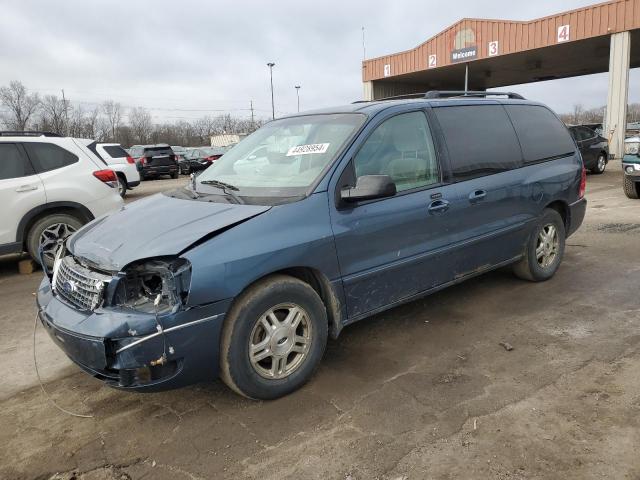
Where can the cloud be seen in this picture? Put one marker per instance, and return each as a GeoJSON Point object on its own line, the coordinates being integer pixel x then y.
{"type": "Point", "coordinates": [188, 58]}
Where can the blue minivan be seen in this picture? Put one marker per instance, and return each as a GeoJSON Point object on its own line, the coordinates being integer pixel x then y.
{"type": "Point", "coordinates": [313, 222]}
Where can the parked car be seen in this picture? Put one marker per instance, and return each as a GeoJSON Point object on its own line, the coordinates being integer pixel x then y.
{"type": "Point", "coordinates": [244, 274]}
{"type": "Point", "coordinates": [631, 167]}
{"type": "Point", "coordinates": [593, 147]}
{"type": "Point", "coordinates": [180, 152]}
{"type": "Point", "coordinates": [49, 187]}
{"type": "Point", "coordinates": [155, 160]}
{"type": "Point", "coordinates": [120, 162]}
{"type": "Point", "coordinates": [198, 159]}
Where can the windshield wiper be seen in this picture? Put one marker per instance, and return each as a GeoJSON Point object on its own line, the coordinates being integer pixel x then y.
{"type": "Point", "coordinates": [227, 188]}
{"type": "Point", "coordinates": [218, 183]}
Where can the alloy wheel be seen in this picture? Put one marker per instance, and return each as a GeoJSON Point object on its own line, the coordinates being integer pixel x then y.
{"type": "Point", "coordinates": [280, 341]}
{"type": "Point", "coordinates": [52, 238]}
{"type": "Point", "coordinates": [602, 163]}
{"type": "Point", "coordinates": [547, 246]}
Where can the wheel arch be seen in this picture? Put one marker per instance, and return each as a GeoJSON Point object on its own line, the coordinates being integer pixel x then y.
{"type": "Point", "coordinates": [35, 214]}
{"type": "Point", "coordinates": [321, 285]}
{"type": "Point", "coordinates": [563, 209]}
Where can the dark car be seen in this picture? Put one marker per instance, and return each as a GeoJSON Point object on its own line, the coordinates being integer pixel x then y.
{"type": "Point", "coordinates": [155, 160]}
{"type": "Point", "coordinates": [593, 147]}
{"type": "Point", "coordinates": [198, 159]}
{"type": "Point", "coordinates": [312, 223]}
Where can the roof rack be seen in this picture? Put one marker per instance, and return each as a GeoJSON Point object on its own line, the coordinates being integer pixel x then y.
{"type": "Point", "coordinates": [433, 94]}
{"type": "Point", "coordinates": [470, 93]}
{"type": "Point", "coordinates": [28, 134]}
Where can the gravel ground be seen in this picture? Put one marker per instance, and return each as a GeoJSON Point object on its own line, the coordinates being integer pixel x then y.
{"type": "Point", "coordinates": [421, 391]}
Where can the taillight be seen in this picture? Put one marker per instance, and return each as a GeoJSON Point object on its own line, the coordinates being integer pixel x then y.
{"type": "Point", "coordinates": [142, 160]}
{"type": "Point", "coordinates": [130, 159]}
{"type": "Point", "coordinates": [583, 183]}
{"type": "Point", "coordinates": [107, 176]}
{"type": "Point", "coordinates": [175, 158]}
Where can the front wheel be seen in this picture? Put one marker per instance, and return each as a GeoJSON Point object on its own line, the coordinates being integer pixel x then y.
{"type": "Point", "coordinates": [273, 338]}
{"type": "Point", "coordinates": [48, 234]}
{"type": "Point", "coordinates": [631, 188]}
{"type": "Point", "coordinates": [601, 164]}
{"type": "Point", "coordinates": [544, 250]}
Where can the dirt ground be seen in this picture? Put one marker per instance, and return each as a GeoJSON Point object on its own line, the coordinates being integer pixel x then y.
{"type": "Point", "coordinates": [424, 391]}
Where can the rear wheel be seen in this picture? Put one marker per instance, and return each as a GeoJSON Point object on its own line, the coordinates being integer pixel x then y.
{"type": "Point", "coordinates": [631, 188]}
{"type": "Point", "coordinates": [273, 338]}
{"type": "Point", "coordinates": [601, 164]}
{"type": "Point", "coordinates": [175, 174]}
{"type": "Point", "coordinates": [49, 233]}
{"type": "Point", "coordinates": [544, 250]}
{"type": "Point", "coordinates": [122, 185]}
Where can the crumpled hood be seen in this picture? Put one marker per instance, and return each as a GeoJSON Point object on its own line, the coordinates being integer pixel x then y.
{"type": "Point", "coordinates": [152, 227]}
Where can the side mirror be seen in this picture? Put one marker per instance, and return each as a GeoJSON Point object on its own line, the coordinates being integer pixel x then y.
{"type": "Point", "coordinates": [369, 187]}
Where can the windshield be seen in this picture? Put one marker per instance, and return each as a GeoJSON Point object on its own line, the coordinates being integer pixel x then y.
{"type": "Point", "coordinates": [283, 158]}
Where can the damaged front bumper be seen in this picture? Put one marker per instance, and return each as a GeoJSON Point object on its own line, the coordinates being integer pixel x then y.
{"type": "Point", "coordinates": [133, 350]}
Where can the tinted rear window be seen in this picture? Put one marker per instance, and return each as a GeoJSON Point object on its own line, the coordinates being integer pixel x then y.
{"type": "Point", "coordinates": [480, 139]}
{"type": "Point", "coordinates": [46, 156]}
{"type": "Point", "coordinates": [542, 135]}
{"type": "Point", "coordinates": [155, 151]}
{"type": "Point", "coordinates": [12, 164]}
{"type": "Point", "coordinates": [115, 151]}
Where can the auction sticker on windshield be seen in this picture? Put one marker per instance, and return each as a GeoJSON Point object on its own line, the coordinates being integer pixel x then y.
{"type": "Point", "coordinates": [308, 149]}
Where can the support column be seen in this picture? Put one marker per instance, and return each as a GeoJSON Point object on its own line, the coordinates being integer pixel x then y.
{"type": "Point", "coordinates": [367, 91]}
{"type": "Point", "coordinates": [616, 118]}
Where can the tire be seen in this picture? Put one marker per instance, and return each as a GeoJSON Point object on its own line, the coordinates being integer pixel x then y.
{"type": "Point", "coordinates": [122, 185]}
{"type": "Point", "coordinates": [631, 188]}
{"type": "Point", "coordinates": [58, 224]}
{"type": "Point", "coordinates": [175, 174]}
{"type": "Point", "coordinates": [601, 164]}
{"type": "Point", "coordinates": [533, 268]}
{"type": "Point", "coordinates": [265, 379]}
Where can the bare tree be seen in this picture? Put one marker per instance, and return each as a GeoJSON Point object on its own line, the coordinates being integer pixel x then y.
{"type": "Point", "coordinates": [113, 113]}
{"type": "Point", "coordinates": [20, 103]}
{"type": "Point", "coordinates": [141, 124]}
{"type": "Point", "coordinates": [54, 113]}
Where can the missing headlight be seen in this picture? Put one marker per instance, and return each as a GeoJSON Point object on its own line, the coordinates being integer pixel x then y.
{"type": "Point", "coordinates": [144, 282]}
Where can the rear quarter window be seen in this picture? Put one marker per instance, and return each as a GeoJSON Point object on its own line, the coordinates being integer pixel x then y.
{"type": "Point", "coordinates": [480, 140]}
{"type": "Point", "coordinates": [542, 135]}
{"type": "Point", "coordinates": [115, 151]}
{"type": "Point", "coordinates": [47, 156]}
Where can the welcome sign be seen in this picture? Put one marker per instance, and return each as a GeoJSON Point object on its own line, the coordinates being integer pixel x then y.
{"type": "Point", "coordinates": [464, 54]}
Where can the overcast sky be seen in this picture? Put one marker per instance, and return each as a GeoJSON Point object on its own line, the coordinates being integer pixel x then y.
{"type": "Point", "coordinates": [186, 58]}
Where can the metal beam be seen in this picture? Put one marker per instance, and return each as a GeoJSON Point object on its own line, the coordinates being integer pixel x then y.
{"type": "Point", "coordinates": [616, 118]}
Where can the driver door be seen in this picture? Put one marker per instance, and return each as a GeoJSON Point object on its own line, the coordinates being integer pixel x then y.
{"type": "Point", "coordinates": [388, 248]}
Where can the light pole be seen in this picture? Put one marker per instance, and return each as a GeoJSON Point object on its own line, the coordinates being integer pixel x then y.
{"type": "Point", "coordinates": [273, 108]}
{"type": "Point", "coordinates": [298, 95]}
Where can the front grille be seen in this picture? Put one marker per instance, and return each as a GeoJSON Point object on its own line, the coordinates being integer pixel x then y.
{"type": "Point", "coordinates": [77, 285]}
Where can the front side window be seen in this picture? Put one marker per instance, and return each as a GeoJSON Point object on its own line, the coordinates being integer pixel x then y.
{"type": "Point", "coordinates": [402, 148]}
{"type": "Point", "coordinates": [46, 156]}
{"type": "Point", "coordinates": [283, 158]}
{"type": "Point", "coordinates": [480, 139]}
{"type": "Point", "coordinates": [12, 163]}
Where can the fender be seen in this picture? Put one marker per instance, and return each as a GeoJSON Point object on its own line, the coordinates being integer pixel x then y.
{"type": "Point", "coordinates": [33, 213]}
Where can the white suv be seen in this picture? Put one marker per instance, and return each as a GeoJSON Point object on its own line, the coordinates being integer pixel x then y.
{"type": "Point", "coordinates": [49, 187]}
{"type": "Point", "coordinates": [120, 162]}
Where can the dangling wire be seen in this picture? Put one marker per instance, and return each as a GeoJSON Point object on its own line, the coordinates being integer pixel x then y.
{"type": "Point", "coordinates": [35, 364]}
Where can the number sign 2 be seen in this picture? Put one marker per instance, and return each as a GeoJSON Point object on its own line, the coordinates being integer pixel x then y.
{"type": "Point", "coordinates": [563, 33]}
{"type": "Point", "coordinates": [433, 61]}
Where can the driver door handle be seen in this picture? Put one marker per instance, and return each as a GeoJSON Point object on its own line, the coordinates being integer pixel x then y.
{"type": "Point", "coordinates": [26, 188]}
{"type": "Point", "coordinates": [477, 196]}
{"type": "Point", "coordinates": [438, 207]}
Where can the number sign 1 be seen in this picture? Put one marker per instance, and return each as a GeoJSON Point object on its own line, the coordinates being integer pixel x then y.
{"type": "Point", "coordinates": [387, 70]}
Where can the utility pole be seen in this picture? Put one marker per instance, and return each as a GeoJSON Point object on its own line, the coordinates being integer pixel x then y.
{"type": "Point", "coordinates": [273, 108]}
{"type": "Point", "coordinates": [252, 120]}
{"type": "Point", "coordinates": [298, 95]}
{"type": "Point", "coordinates": [364, 48]}
{"type": "Point", "coordinates": [66, 113]}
